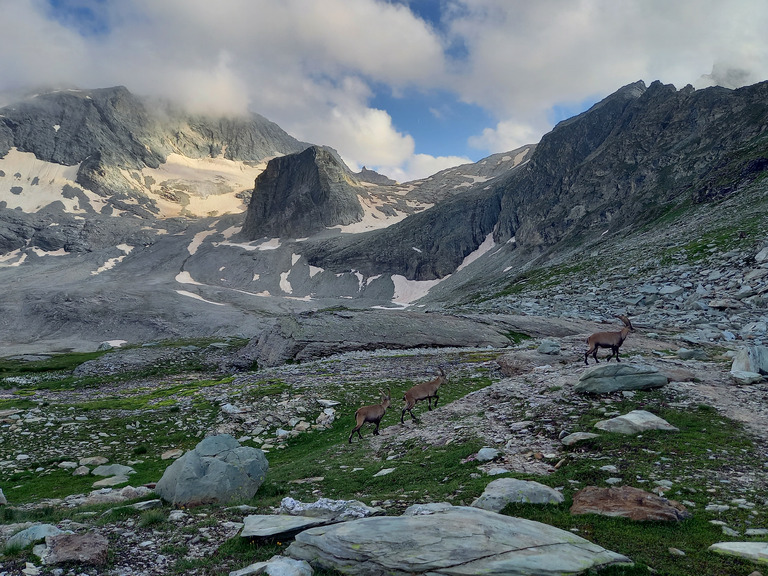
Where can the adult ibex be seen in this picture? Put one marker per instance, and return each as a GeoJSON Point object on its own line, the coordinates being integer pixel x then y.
{"type": "Point", "coordinates": [373, 413]}
{"type": "Point", "coordinates": [424, 391]}
{"type": "Point", "coordinates": [612, 340]}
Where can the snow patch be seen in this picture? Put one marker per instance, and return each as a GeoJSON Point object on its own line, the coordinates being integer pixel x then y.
{"type": "Point", "coordinates": [112, 262]}
{"type": "Point", "coordinates": [272, 244]}
{"type": "Point", "coordinates": [49, 180]}
{"type": "Point", "coordinates": [295, 258]}
{"type": "Point", "coordinates": [198, 240]}
{"type": "Point", "coordinates": [285, 286]}
{"type": "Point", "coordinates": [198, 297]}
{"type": "Point", "coordinates": [408, 291]}
{"type": "Point", "coordinates": [208, 185]}
{"type": "Point", "coordinates": [41, 253]}
{"type": "Point", "coordinates": [314, 271]}
{"type": "Point", "coordinates": [487, 245]}
{"type": "Point", "coordinates": [186, 278]}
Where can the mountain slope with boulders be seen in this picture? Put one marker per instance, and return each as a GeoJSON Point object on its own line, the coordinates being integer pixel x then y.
{"type": "Point", "coordinates": [123, 219]}
{"type": "Point", "coordinates": [632, 157]}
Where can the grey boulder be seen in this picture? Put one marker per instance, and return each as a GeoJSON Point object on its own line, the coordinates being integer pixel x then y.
{"type": "Point", "coordinates": [505, 491]}
{"type": "Point", "coordinates": [635, 422]}
{"type": "Point", "coordinates": [751, 359]}
{"type": "Point", "coordinates": [35, 533]}
{"type": "Point", "coordinates": [218, 470]}
{"type": "Point", "coordinates": [452, 541]}
{"type": "Point", "coordinates": [607, 378]}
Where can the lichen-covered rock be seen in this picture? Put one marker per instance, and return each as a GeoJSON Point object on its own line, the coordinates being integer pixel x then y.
{"type": "Point", "coordinates": [607, 378]}
{"type": "Point", "coordinates": [635, 422]}
{"type": "Point", "coordinates": [89, 548]}
{"type": "Point", "coordinates": [499, 493]}
{"type": "Point", "coordinates": [627, 502]}
{"type": "Point", "coordinates": [310, 336]}
{"type": "Point", "coordinates": [449, 541]}
{"type": "Point", "coordinates": [218, 470]}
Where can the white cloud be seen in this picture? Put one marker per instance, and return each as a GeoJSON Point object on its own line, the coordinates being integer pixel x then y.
{"type": "Point", "coordinates": [313, 66]}
{"type": "Point", "coordinates": [508, 135]}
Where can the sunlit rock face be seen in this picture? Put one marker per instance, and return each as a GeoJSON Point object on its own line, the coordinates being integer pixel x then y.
{"type": "Point", "coordinates": [300, 194]}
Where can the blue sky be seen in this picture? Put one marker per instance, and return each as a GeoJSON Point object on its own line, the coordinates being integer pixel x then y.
{"type": "Point", "coordinates": [406, 87]}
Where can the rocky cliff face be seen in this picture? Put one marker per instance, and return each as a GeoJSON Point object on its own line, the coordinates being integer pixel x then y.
{"type": "Point", "coordinates": [634, 156]}
{"type": "Point", "coordinates": [631, 158]}
{"type": "Point", "coordinates": [111, 135]}
{"type": "Point", "coordinates": [301, 194]}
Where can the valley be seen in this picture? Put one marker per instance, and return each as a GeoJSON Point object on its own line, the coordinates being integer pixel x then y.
{"type": "Point", "coordinates": [168, 278]}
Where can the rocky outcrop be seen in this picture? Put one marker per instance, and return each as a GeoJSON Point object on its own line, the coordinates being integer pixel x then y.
{"type": "Point", "coordinates": [632, 157]}
{"type": "Point", "coordinates": [305, 337]}
{"type": "Point", "coordinates": [609, 378]}
{"type": "Point", "coordinates": [115, 129]}
{"type": "Point", "coordinates": [627, 502]}
{"type": "Point", "coordinates": [300, 194]}
{"type": "Point", "coordinates": [449, 541]}
{"type": "Point", "coordinates": [635, 422]}
{"type": "Point", "coordinates": [505, 491]}
{"type": "Point", "coordinates": [218, 470]}
{"type": "Point", "coordinates": [89, 548]}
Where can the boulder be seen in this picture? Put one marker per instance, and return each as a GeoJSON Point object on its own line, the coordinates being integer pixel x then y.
{"type": "Point", "coordinates": [751, 359]}
{"type": "Point", "coordinates": [551, 347]}
{"type": "Point", "coordinates": [330, 510]}
{"type": "Point", "coordinates": [274, 525]}
{"type": "Point", "coordinates": [754, 551]}
{"type": "Point", "coordinates": [36, 533]}
{"type": "Point", "coordinates": [487, 454]}
{"type": "Point", "coordinates": [627, 502]}
{"type": "Point", "coordinates": [218, 470]}
{"type": "Point", "coordinates": [88, 548]}
{"type": "Point", "coordinates": [607, 378]}
{"type": "Point", "coordinates": [572, 439]}
{"type": "Point", "coordinates": [505, 491]}
{"type": "Point", "coordinates": [744, 377]}
{"type": "Point", "coordinates": [635, 422]}
{"type": "Point", "coordinates": [276, 566]}
{"type": "Point", "coordinates": [453, 540]}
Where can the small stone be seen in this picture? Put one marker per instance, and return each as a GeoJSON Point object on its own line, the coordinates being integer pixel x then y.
{"type": "Point", "coordinates": [384, 472]}
{"type": "Point", "coordinates": [487, 454]}
{"type": "Point", "coordinates": [93, 461]}
{"type": "Point", "coordinates": [174, 453]}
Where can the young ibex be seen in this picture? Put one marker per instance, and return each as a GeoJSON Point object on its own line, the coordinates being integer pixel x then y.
{"type": "Point", "coordinates": [424, 391]}
{"type": "Point", "coordinates": [612, 340]}
{"type": "Point", "coordinates": [373, 413]}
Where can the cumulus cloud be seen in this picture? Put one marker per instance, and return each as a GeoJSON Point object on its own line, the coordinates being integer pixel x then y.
{"type": "Point", "coordinates": [315, 66]}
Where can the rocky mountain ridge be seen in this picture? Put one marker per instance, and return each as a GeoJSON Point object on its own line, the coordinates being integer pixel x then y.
{"type": "Point", "coordinates": [646, 162]}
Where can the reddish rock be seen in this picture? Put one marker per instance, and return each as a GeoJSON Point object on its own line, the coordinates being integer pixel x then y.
{"type": "Point", "coordinates": [88, 548]}
{"type": "Point", "coordinates": [627, 502]}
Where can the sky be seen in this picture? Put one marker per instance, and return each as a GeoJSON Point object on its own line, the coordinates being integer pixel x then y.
{"type": "Point", "coordinates": [405, 87]}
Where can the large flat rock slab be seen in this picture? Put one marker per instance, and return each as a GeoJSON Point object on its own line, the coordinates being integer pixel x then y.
{"type": "Point", "coordinates": [455, 541]}
{"type": "Point", "coordinates": [754, 551]}
{"type": "Point", "coordinates": [607, 378]}
{"type": "Point", "coordinates": [627, 502]}
{"type": "Point", "coordinates": [304, 337]}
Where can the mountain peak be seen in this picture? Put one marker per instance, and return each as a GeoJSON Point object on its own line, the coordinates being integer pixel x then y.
{"type": "Point", "coordinates": [302, 193]}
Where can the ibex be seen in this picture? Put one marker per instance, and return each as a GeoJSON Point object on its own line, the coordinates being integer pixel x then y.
{"type": "Point", "coordinates": [373, 413]}
{"type": "Point", "coordinates": [612, 340]}
{"type": "Point", "coordinates": [424, 391]}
